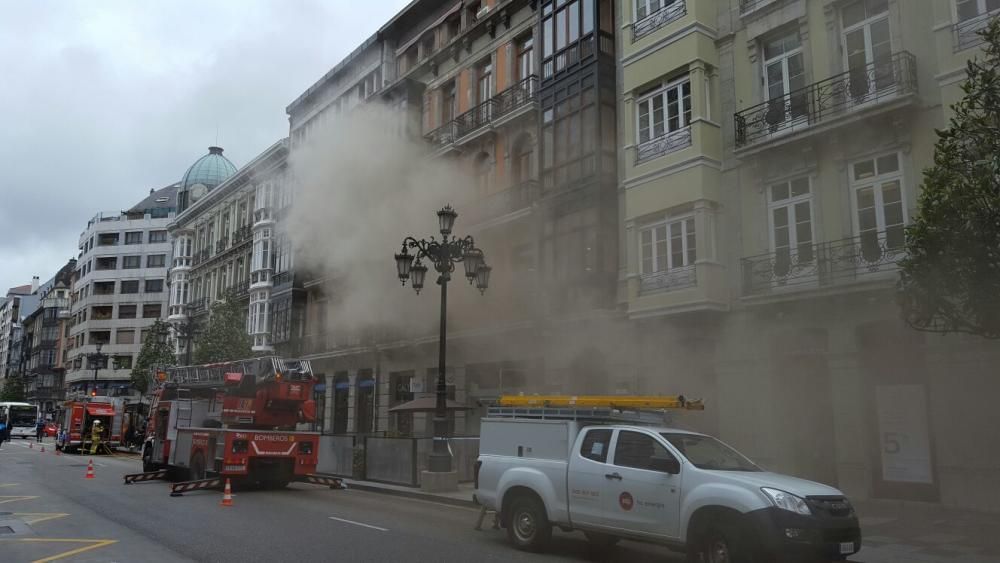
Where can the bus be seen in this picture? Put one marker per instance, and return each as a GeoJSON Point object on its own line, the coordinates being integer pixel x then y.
{"type": "Point", "coordinates": [20, 418]}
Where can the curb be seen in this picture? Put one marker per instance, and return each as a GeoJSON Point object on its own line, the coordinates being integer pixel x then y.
{"type": "Point", "coordinates": [416, 494]}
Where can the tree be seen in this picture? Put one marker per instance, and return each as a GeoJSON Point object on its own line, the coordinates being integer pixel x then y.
{"type": "Point", "coordinates": [13, 389]}
{"type": "Point", "coordinates": [225, 338]}
{"type": "Point", "coordinates": [157, 351]}
{"type": "Point", "coordinates": [950, 279]}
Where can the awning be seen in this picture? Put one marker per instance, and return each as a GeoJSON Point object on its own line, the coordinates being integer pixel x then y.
{"type": "Point", "coordinates": [100, 410]}
{"type": "Point", "coordinates": [428, 404]}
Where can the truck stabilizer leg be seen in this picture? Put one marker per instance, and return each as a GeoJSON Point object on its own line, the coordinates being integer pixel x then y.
{"type": "Point", "coordinates": [178, 489]}
{"type": "Point", "coordinates": [332, 482]}
{"type": "Point", "coordinates": [147, 476]}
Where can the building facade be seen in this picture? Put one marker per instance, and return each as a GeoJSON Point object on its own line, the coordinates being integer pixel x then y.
{"type": "Point", "coordinates": [771, 158]}
{"type": "Point", "coordinates": [17, 300]}
{"type": "Point", "coordinates": [45, 340]}
{"type": "Point", "coordinates": [118, 292]}
{"type": "Point", "coordinates": [229, 242]}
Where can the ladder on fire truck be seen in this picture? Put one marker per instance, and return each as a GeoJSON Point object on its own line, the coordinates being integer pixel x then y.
{"type": "Point", "coordinates": [642, 409]}
{"type": "Point", "coordinates": [262, 369]}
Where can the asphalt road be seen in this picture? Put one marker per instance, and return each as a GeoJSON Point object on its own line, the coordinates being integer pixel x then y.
{"type": "Point", "coordinates": [55, 514]}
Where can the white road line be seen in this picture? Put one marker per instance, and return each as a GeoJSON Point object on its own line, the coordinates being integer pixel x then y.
{"type": "Point", "coordinates": [359, 524]}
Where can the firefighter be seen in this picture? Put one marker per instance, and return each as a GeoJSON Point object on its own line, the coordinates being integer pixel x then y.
{"type": "Point", "coordinates": [95, 436]}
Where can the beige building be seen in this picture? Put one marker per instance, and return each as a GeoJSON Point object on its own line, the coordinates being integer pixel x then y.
{"type": "Point", "coordinates": [772, 153]}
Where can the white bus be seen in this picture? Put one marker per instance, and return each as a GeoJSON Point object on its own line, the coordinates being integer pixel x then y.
{"type": "Point", "coordinates": [20, 418]}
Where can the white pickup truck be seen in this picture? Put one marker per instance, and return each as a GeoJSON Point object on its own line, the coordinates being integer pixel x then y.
{"type": "Point", "coordinates": [687, 491]}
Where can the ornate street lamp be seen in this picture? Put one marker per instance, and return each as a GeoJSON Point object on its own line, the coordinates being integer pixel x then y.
{"type": "Point", "coordinates": [443, 255]}
{"type": "Point", "coordinates": [97, 358]}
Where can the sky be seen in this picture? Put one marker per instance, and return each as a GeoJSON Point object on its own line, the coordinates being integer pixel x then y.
{"type": "Point", "coordinates": [102, 101]}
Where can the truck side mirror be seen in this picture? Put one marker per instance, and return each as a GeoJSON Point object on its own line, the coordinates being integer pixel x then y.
{"type": "Point", "coordinates": [665, 465]}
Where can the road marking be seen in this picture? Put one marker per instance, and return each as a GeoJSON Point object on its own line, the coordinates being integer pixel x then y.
{"type": "Point", "coordinates": [362, 524]}
{"type": "Point", "coordinates": [36, 517]}
{"type": "Point", "coordinates": [4, 499]}
{"type": "Point", "coordinates": [94, 544]}
{"type": "Point", "coordinates": [9, 485]}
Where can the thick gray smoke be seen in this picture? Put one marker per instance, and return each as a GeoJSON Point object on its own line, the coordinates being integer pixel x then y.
{"type": "Point", "coordinates": [362, 187]}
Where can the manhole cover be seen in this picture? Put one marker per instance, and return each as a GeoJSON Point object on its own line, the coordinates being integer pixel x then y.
{"type": "Point", "coordinates": [6, 530]}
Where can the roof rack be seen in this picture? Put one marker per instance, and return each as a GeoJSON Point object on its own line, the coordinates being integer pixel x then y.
{"type": "Point", "coordinates": [593, 408]}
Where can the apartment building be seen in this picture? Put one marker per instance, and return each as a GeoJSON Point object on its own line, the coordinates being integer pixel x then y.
{"type": "Point", "coordinates": [45, 339]}
{"type": "Point", "coordinates": [17, 300]}
{"type": "Point", "coordinates": [229, 242]}
{"type": "Point", "coordinates": [771, 158]}
{"type": "Point", "coordinates": [119, 290]}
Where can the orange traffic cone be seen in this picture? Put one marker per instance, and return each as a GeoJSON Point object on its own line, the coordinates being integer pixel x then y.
{"type": "Point", "coordinates": [90, 469]}
{"type": "Point", "coordinates": [227, 495]}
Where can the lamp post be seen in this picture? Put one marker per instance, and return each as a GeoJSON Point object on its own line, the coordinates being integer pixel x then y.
{"type": "Point", "coordinates": [96, 358]}
{"type": "Point", "coordinates": [443, 255]}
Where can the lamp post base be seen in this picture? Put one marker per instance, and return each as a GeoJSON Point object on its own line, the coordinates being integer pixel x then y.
{"type": "Point", "coordinates": [438, 481]}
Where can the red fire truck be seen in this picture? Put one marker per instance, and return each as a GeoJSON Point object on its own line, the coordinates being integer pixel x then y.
{"type": "Point", "coordinates": [76, 421]}
{"type": "Point", "coordinates": [234, 419]}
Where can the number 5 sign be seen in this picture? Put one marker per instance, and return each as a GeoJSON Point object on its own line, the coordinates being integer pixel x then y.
{"type": "Point", "coordinates": [903, 433]}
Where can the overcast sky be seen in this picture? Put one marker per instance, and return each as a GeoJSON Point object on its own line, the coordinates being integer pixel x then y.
{"type": "Point", "coordinates": [101, 101]}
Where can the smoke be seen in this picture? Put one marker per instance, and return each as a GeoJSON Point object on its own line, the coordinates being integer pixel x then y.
{"type": "Point", "coordinates": [361, 188]}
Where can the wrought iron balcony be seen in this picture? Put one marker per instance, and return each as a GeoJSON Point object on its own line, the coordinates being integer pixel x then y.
{"type": "Point", "coordinates": [838, 262]}
{"type": "Point", "coordinates": [241, 234]}
{"type": "Point", "coordinates": [658, 19]}
{"type": "Point", "coordinates": [197, 306]}
{"type": "Point", "coordinates": [966, 34]}
{"type": "Point", "coordinates": [668, 280]}
{"type": "Point", "coordinates": [242, 289]}
{"type": "Point", "coordinates": [444, 135]}
{"type": "Point", "coordinates": [672, 141]}
{"type": "Point", "coordinates": [507, 201]}
{"type": "Point", "coordinates": [825, 101]}
{"type": "Point", "coordinates": [494, 109]}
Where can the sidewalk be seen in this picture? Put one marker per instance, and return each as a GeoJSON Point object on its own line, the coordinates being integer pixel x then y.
{"type": "Point", "coordinates": [893, 532]}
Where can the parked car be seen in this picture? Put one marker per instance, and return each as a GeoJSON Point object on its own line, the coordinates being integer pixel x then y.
{"type": "Point", "coordinates": [685, 490]}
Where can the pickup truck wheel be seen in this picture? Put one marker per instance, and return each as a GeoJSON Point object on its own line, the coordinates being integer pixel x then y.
{"type": "Point", "coordinates": [529, 528]}
{"type": "Point", "coordinates": [600, 540]}
{"type": "Point", "coordinates": [723, 544]}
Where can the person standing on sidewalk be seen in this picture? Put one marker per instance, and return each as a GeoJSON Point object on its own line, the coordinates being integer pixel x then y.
{"type": "Point", "coordinates": [3, 432]}
{"type": "Point", "coordinates": [39, 430]}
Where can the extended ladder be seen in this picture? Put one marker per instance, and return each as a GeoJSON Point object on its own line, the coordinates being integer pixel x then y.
{"type": "Point", "coordinates": [624, 402]}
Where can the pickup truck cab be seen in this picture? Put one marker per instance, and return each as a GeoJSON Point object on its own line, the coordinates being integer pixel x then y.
{"type": "Point", "coordinates": [685, 490]}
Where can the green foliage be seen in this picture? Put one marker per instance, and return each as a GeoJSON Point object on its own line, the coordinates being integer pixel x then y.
{"type": "Point", "coordinates": [13, 389]}
{"type": "Point", "coordinates": [950, 279]}
{"type": "Point", "coordinates": [157, 351]}
{"type": "Point", "coordinates": [225, 338]}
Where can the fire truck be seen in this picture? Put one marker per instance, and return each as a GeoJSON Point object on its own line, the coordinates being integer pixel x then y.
{"type": "Point", "coordinates": [76, 420]}
{"type": "Point", "coordinates": [234, 420]}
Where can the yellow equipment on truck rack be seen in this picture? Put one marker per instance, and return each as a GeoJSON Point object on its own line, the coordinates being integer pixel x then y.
{"type": "Point", "coordinates": [602, 401]}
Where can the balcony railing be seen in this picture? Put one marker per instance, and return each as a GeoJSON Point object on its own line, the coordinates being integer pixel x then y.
{"type": "Point", "coordinates": [672, 141]}
{"type": "Point", "coordinates": [668, 280]}
{"type": "Point", "coordinates": [507, 201]}
{"type": "Point", "coordinates": [966, 34]}
{"type": "Point", "coordinates": [658, 19]}
{"type": "Point", "coordinates": [196, 306]}
{"type": "Point", "coordinates": [833, 263]}
{"type": "Point", "coordinates": [495, 108]}
{"type": "Point", "coordinates": [242, 233]}
{"type": "Point", "coordinates": [578, 52]}
{"type": "Point", "coordinates": [829, 99]}
{"type": "Point", "coordinates": [242, 289]}
{"type": "Point", "coordinates": [747, 6]}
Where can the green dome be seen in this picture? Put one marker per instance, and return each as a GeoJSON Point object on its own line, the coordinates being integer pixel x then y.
{"type": "Point", "coordinates": [209, 170]}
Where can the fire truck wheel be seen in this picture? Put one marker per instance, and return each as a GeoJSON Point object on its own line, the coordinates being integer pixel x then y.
{"type": "Point", "coordinates": [197, 470]}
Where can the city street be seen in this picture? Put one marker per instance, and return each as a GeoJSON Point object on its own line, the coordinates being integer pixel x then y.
{"type": "Point", "coordinates": [54, 513]}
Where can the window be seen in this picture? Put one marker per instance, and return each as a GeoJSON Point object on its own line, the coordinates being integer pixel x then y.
{"type": "Point", "coordinates": [526, 57]}
{"type": "Point", "coordinates": [151, 311]}
{"type": "Point", "coordinates": [596, 444]}
{"type": "Point", "coordinates": [563, 24]}
{"type": "Point", "coordinates": [646, 8]}
{"type": "Point", "coordinates": [106, 263]}
{"type": "Point", "coordinates": [969, 9]}
{"type": "Point", "coordinates": [485, 75]}
{"type": "Point", "coordinates": [104, 288]}
{"type": "Point", "coordinates": [784, 73]}
{"type": "Point", "coordinates": [154, 286]}
{"type": "Point", "coordinates": [638, 450]}
{"type": "Point", "coordinates": [122, 362]}
{"type": "Point", "coordinates": [101, 312]}
{"type": "Point", "coordinates": [107, 239]}
{"type": "Point", "coordinates": [131, 262]}
{"type": "Point", "coordinates": [130, 286]}
{"type": "Point", "coordinates": [877, 184]}
{"type": "Point", "coordinates": [126, 311]}
{"type": "Point", "coordinates": [790, 207]}
{"type": "Point", "coordinates": [449, 102]}
{"type": "Point", "coordinates": [125, 336]}
{"type": "Point", "coordinates": [867, 42]}
{"type": "Point", "coordinates": [156, 260]}
{"type": "Point", "coordinates": [668, 245]}
{"type": "Point", "coordinates": [705, 452]}
{"type": "Point", "coordinates": [133, 237]}
{"type": "Point", "coordinates": [157, 236]}
{"type": "Point", "coordinates": [664, 110]}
